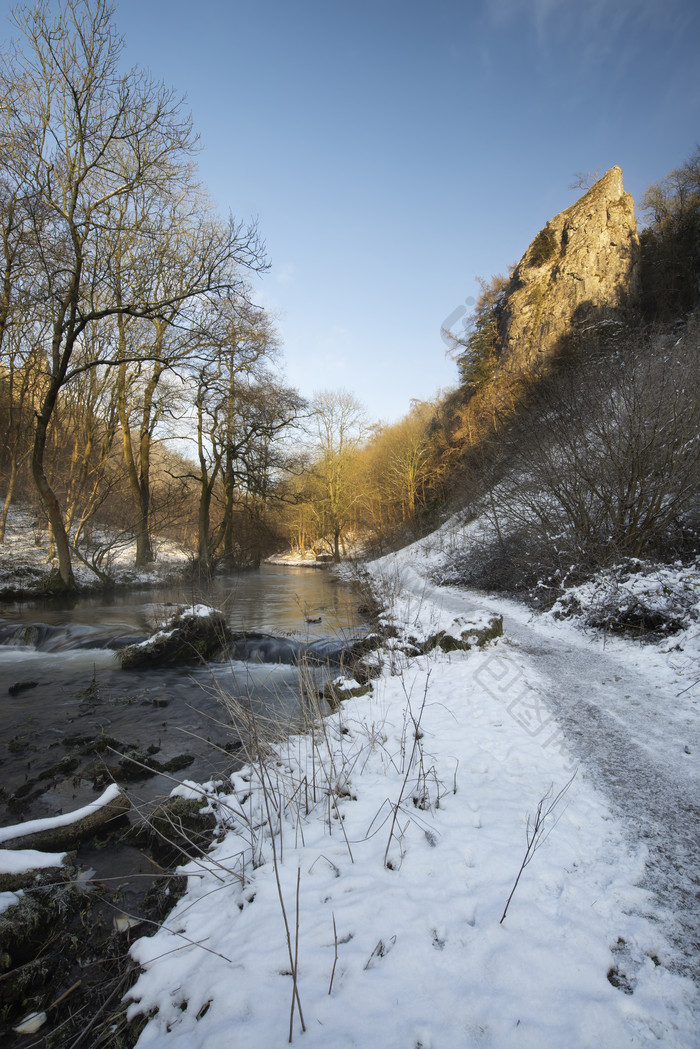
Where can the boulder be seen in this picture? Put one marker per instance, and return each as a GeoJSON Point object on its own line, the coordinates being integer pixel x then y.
{"type": "Point", "coordinates": [190, 635]}
{"type": "Point", "coordinates": [334, 692]}
{"type": "Point", "coordinates": [473, 635]}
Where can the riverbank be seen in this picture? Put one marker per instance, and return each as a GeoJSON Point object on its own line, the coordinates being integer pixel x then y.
{"type": "Point", "coordinates": [26, 569]}
{"type": "Point", "coordinates": [307, 560]}
{"type": "Point", "coordinates": [439, 862]}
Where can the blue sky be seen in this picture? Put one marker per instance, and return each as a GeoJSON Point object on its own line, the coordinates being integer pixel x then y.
{"type": "Point", "coordinates": [394, 151]}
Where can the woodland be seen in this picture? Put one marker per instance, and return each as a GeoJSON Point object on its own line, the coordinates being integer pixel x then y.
{"type": "Point", "coordinates": [142, 393]}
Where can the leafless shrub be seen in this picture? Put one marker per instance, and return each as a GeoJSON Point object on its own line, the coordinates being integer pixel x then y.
{"type": "Point", "coordinates": [605, 462]}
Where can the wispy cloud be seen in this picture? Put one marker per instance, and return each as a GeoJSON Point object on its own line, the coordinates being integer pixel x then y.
{"type": "Point", "coordinates": [594, 29]}
{"type": "Point", "coordinates": [539, 12]}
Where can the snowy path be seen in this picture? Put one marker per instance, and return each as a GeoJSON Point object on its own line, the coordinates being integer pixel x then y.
{"type": "Point", "coordinates": [632, 737]}
{"type": "Point", "coordinates": [629, 718]}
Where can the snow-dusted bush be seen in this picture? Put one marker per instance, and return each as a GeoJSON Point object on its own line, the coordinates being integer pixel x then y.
{"type": "Point", "coordinates": [636, 596]}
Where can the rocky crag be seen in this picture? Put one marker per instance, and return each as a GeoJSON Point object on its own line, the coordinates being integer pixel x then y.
{"type": "Point", "coordinates": [581, 269]}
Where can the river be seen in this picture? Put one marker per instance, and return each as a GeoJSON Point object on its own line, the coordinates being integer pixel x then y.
{"type": "Point", "coordinates": [62, 686]}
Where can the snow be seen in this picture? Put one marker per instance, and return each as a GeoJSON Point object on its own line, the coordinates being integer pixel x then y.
{"type": "Point", "coordinates": [63, 820]}
{"type": "Point", "coordinates": [393, 835]}
{"type": "Point", "coordinates": [9, 899]}
{"type": "Point", "coordinates": [637, 588]}
{"type": "Point", "coordinates": [297, 560]}
{"type": "Point", "coordinates": [199, 611]}
{"type": "Point", "coordinates": [17, 861]}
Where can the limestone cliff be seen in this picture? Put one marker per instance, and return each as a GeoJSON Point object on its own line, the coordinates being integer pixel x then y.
{"type": "Point", "coordinates": [582, 267]}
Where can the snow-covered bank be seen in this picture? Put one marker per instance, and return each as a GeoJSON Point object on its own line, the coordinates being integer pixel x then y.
{"type": "Point", "coordinates": [295, 560]}
{"type": "Point", "coordinates": [368, 865]}
{"type": "Point", "coordinates": [25, 568]}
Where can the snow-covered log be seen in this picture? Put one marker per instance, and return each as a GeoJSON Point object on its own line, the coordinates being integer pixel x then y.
{"type": "Point", "coordinates": [68, 829]}
{"type": "Point", "coordinates": [22, 867]}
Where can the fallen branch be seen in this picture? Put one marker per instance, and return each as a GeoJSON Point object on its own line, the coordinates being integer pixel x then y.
{"type": "Point", "coordinates": [69, 828]}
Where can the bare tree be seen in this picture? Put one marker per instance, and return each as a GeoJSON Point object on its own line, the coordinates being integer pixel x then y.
{"type": "Point", "coordinates": [583, 180]}
{"type": "Point", "coordinates": [242, 411]}
{"type": "Point", "coordinates": [21, 385]}
{"type": "Point", "coordinates": [671, 242]}
{"type": "Point", "coordinates": [269, 409]}
{"type": "Point", "coordinates": [86, 426]}
{"type": "Point", "coordinates": [339, 427]}
{"type": "Point", "coordinates": [18, 360]}
{"type": "Point", "coordinates": [405, 466]}
{"type": "Point", "coordinates": [235, 348]}
{"type": "Point", "coordinates": [94, 150]}
{"type": "Point", "coordinates": [194, 247]}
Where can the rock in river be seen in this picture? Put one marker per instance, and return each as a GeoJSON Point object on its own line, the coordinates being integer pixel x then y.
{"type": "Point", "coordinates": [192, 634]}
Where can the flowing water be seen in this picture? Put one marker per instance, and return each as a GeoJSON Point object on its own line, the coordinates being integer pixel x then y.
{"type": "Point", "coordinates": [71, 719]}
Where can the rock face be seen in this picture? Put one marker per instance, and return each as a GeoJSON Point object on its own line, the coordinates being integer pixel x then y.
{"type": "Point", "coordinates": [582, 268]}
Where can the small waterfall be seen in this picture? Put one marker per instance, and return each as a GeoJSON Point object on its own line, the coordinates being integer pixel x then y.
{"type": "Point", "coordinates": [266, 648]}
{"type": "Point", "coordinates": [44, 637]}
{"type": "Point", "coordinates": [249, 646]}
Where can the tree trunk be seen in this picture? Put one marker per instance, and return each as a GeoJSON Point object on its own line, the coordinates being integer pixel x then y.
{"type": "Point", "coordinates": [144, 548]}
{"type": "Point", "coordinates": [229, 492]}
{"type": "Point", "coordinates": [204, 551]}
{"type": "Point", "coordinates": [8, 497]}
{"type": "Point", "coordinates": [138, 477]}
{"type": "Point", "coordinates": [47, 495]}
